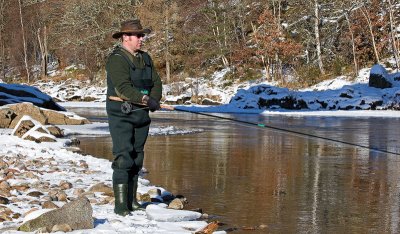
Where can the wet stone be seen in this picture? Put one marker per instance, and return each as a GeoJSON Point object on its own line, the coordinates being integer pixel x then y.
{"type": "Point", "coordinates": [176, 204]}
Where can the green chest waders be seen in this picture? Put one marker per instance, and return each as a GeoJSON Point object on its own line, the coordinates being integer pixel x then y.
{"type": "Point", "coordinates": [129, 134]}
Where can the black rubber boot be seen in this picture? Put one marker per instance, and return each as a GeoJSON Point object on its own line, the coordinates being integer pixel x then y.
{"type": "Point", "coordinates": [121, 199]}
{"type": "Point", "coordinates": [132, 189]}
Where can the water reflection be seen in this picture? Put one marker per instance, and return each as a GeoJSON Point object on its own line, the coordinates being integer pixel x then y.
{"type": "Point", "coordinates": [247, 176]}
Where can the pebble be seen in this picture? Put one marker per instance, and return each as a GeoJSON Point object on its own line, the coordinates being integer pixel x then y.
{"type": "Point", "coordinates": [4, 200]}
{"type": "Point", "coordinates": [61, 228]}
{"type": "Point", "coordinates": [176, 204]}
{"type": "Point", "coordinates": [35, 194]}
{"type": "Point", "coordinates": [49, 205]}
{"type": "Point", "coordinates": [65, 185]}
{"type": "Point", "coordinates": [5, 185]}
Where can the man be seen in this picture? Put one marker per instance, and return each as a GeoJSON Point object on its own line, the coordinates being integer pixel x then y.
{"type": "Point", "coordinates": [133, 88]}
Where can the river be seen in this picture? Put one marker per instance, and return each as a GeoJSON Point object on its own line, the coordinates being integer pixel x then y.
{"type": "Point", "coordinates": [247, 176]}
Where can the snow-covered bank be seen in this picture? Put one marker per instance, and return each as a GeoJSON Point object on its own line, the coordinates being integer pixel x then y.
{"type": "Point", "coordinates": [42, 167]}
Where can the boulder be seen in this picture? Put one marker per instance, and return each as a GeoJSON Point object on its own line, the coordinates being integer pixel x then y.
{"type": "Point", "coordinates": [64, 118]}
{"type": "Point", "coordinates": [76, 214]}
{"type": "Point", "coordinates": [379, 77]}
{"type": "Point", "coordinates": [10, 115]}
{"type": "Point", "coordinates": [26, 108]}
{"type": "Point", "coordinates": [102, 188]}
{"type": "Point", "coordinates": [17, 93]}
{"type": "Point", "coordinates": [6, 116]}
{"type": "Point", "coordinates": [30, 129]}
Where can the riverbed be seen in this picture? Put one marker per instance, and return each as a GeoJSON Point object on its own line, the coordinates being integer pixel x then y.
{"type": "Point", "coordinates": [341, 176]}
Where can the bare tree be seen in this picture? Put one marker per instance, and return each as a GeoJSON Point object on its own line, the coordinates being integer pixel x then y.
{"type": "Point", "coordinates": [317, 36]}
{"type": "Point", "coordinates": [353, 45]}
{"type": "Point", "coordinates": [367, 17]}
{"type": "Point", "coordinates": [2, 40]}
{"type": "Point", "coordinates": [392, 25]}
{"type": "Point", "coordinates": [24, 42]}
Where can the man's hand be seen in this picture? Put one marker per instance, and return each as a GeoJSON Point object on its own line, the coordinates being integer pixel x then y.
{"type": "Point", "coordinates": [153, 104]}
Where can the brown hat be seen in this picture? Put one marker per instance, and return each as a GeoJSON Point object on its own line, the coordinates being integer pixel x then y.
{"type": "Point", "coordinates": [131, 26]}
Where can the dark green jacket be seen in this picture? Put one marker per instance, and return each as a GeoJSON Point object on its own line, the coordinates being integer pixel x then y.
{"type": "Point", "coordinates": [118, 76]}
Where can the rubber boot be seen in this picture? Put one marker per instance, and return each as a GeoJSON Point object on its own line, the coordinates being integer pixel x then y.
{"type": "Point", "coordinates": [121, 199]}
{"type": "Point", "coordinates": [132, 190]}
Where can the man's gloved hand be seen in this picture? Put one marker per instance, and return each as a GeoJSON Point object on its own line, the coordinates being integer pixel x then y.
{"type": "Point", "coordinates": [153, 104]}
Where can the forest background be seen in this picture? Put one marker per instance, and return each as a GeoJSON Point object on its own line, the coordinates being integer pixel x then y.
{"type": "Point", "coordinates": [299, 42]}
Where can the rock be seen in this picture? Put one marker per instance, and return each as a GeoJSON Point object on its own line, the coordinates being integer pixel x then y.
{"type": "Point", "coordinates": [77, 214]}
{"type": "Point", "coordinates": [5, 185]}
{"type": "Point", "coordinates": [21, 187]}
{"type": "Point", "coordinates": [64, 118]}
{"type": "Point", "coordinates": [158, 213]}
{"type": "Point", "coordinates": [62, 196]}
{"type": "Point", "coordinates": [143, 197]}
{"type": "Point", "coordinates": [65, 185]}
{"type": "Point", "coordinates": [78, 191]}
{"type": "Point", "coordinates": [49, 205]}
{"type": "Point", "coordinates": [31, 175]}
{"type": "Point", "coordinates": [3, 164]}
{"type": "Point", "coordinates": [30, 129]}
{"type": "Point", "coordinates": [11, 114]}
{"type": "Point", "coordinates": [55, 131]}
{"type": "Point", "coordinates": [35, 194]}
{"type": "Point", "coordinates": [378, 77]}
{"type": "Point", "coordinates": [176, 204]}
{"type": "Point", "coordinates": [154, 192]}
{"type": "Point", "coordinates": [6, 117]}
{"type": "Point", "coordinates": [34, 202]}
{"type": "Point", "coordinates": [4, 201]}
{"type": "Point", "coordinates": [209, 102]}
{"type": "Point", "coordinates": [5, 192]}
{"type": "Point", "coordinates": [61, 228]}
{"type": "Point", "coordinates": [27, 109]}
{"type": "Point", "coordinates": [102, 188]}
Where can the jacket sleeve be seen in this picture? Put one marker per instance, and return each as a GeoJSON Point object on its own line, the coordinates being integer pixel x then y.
{"type": "Point", "coordinates": [118, 71]}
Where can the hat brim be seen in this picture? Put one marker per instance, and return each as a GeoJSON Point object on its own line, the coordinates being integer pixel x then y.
{"type": "Point", "coordinates": [119, 34]}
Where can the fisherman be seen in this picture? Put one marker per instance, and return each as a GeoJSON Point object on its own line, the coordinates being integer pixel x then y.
{"type": "Point", "coordinates": [133, 88]}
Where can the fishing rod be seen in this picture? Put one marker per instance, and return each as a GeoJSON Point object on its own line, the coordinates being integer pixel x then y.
{"type": "Point", "coordinates": [261, 125]}
{"type": "Point", "coordinates": [127, 108]}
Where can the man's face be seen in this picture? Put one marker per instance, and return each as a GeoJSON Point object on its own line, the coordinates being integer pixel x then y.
{"type": "Point", "coordinates": [133, 42]}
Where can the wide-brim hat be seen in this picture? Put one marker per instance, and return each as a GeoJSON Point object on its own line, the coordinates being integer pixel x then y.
{"type": "Point", "coordinates": [131, 27]}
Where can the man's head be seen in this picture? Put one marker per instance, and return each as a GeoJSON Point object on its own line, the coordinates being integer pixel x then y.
{"type": "Point", "coordinates": [131, 34]}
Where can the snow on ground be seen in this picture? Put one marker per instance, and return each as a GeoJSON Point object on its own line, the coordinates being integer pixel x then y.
{"type": "Point", "coordinates": [156, 218]}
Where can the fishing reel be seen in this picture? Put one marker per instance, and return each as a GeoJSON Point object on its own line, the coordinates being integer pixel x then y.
{"type": "Point", "coordinates": [126, 107]}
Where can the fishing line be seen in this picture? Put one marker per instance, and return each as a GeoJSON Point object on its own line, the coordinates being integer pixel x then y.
{"type": "Point", "coordinates": [260, 125]}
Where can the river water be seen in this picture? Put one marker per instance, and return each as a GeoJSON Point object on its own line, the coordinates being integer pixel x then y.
{"type": "Point", "coordinates": [246, 176]}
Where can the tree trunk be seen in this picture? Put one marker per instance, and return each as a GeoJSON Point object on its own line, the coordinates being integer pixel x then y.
{"type": "Point", "coordinates": [2, 42]}
{"type": "Point", "coordinates": [393, 34]}
{"type": "Point", "coordinates": [167, 56]}
{"type": "Point", "coordinates": [366, 15]}
{"type": "Point", "coordinates": [43, 51]}
{"type": "Point", "coordinates": [267, 77]}
{"type": "Point", "coordinates": [317, 37]}
{"type": "Point", "coordinates": [24, 42]}
{"type": "Point", "coordinates": [353, 45]}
